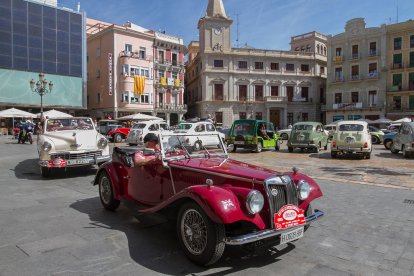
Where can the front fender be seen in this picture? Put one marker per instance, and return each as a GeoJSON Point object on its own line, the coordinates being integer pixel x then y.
{"type": "Point", "coordinates": [221, 204]}
{"type": "Point", "coordinates": [315, 190]}
{"type": "Point", "coordinates": [110, 170]}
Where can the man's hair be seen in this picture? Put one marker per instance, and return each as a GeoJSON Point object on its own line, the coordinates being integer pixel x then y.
{"type": "Point", "coordinates": [151, 137]}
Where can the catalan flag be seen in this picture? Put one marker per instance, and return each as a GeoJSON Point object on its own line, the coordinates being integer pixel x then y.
{"type": "Point", "coordinates": [139, 85]}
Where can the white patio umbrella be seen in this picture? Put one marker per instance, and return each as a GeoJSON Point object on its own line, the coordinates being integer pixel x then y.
{"type": "Point", "coordinates": [140, 116]}
{"type": "Point", "coordinates": [402, 120]}
{"type": "Point", "coordinates": [54, 114]}
{"type": "Point", "coordinates": [15, 113]}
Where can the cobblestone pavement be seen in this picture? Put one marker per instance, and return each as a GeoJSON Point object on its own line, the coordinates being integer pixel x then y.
{"type": "Point", "coordinates": [57, 226]}
{"type": "Point", "coordinates": [383, 169]}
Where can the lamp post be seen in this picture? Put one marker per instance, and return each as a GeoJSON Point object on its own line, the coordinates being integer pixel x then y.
{"type": "Point", "coordinates": [41, 89]}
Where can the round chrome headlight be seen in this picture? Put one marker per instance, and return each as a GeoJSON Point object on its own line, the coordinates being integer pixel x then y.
{"type": "Point", "coordinates": [254, 202]}
{"type": "Point", "coordinates": [303, 189]}
{"type": "Point", "coordinates": [102, 143]}
{"type": "Point", "coordinates": [46, 146]}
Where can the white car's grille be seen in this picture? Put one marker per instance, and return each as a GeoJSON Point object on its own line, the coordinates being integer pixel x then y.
{"type": "Point", "coordinates": [83, 155]}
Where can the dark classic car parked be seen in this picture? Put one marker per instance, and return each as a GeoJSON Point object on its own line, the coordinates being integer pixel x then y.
{"type": "Point", "coordinates": [216, 201]}
{"type": "Point", "coordinates": [404, 140]}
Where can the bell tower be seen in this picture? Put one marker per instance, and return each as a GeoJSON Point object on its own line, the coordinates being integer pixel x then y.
{"type": "Point", "coordinates": [215, 28]}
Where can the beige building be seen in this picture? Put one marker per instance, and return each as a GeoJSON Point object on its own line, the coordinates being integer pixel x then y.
{"type": "Point", "coordinates": [356, 73]}
{"type": "Point", "coordinates": [119, 54]}
{"type": "Point", "coordinates": [400, 79]}
{"type": "Point", "coordinates": [233, 83]}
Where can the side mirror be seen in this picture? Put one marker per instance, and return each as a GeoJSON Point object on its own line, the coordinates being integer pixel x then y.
{"type": "Point", "coordinates": [230, 147]}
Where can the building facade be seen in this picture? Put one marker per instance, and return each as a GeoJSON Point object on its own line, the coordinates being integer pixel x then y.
{"type": "Point", "coordinates": [121, 55]}
{"type": "Point", "coordinates": [234, 83]}
{"type": "Point", "coordinates": [36, 38]}
{"type": "Point", "coordinates": [357, 76]}
{"type": "Point", "coordinates": [400, 77]}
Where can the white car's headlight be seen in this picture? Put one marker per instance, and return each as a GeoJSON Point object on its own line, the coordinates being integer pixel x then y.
{"type": "Point", "coordinates": [254, 202]}
{"type": "Point", "coordinates": [46, 146]}
{"type": "Point", "coordinates": [102, 143]}
{"type": "Point", "coordinates": [303, 189]}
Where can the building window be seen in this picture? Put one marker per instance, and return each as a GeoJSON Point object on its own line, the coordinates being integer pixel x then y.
{"type": "Point", "coordinates": [161, 57]}
{"type": "Point", "coordinates": [218, 63]}
{"type": "Point", "coordinates": [128, 49]}
{"type": "Point", "coordinates": [142, 52]}
{"type": "Point", "coordinates": [258, 65]}
{"type": "Point", "coordinates": [355, 72]}
{"type": "Point", "coordinates": [98, 73]}
{"type": "Point", "coordinates": [274, 90]}
{"type": "Point", "coordinates": [355, 51]}
{"type": "Point", "coordinates": [372, 49]}
{"type": "Point", "coordinates": [304, 67]}
{"type": "Point", "coordinates": [174, 59]}
{"type": "Point", "coordinates": [145, 72]}
{"type": "Point", "coordinates": [242, 115]}
{"type": "Point", "coordinates": [372, 68]}
{"type": "Point", "coordinates": [218, 117]}
{"type": "Point", "coordinates": [161, 74]}
{"type": "Point", "coordinates": [98, 97]}
{"type": "Point", "coordinates": [242, 93]}
{"type": "Point", "coordinates": [218, 92]}
{"type": "Point", "coordinates": [397, 81]}
{"type": "Point", "coordinates": [289, 93]}
{"type": "Point", "coordinates": [305, 93]}
{"type": "Point", "coordinates": [144, 99]}
{"type": "Point", "coordinates": [317, 48]}
{"type": "Point", "coordinates": [338, 98]}
{"type": "Point", "coordinates": [397, 43]}
{"type": "Point", "coordinates": [274, 66]}
{"type": "Point", "coordinates": [338, 74]}
{"type": "Point", "coordinates": [98, 52]}
{"type": "Point", "coordinates": [259, 116]}
{"type": "Point", "coordinates": [322, 70]}
{"type": "Point", "coordinates": [411, 41]}
{"type": "Point", "coordinates": [396, 102]}
{"type": "Point", "coordinates": [411, 64]}
{"type": "Point", "coordinates": [338, 52]}
{"type": "Point", "coordinates": [411, 81]}
{"type": "Point", "coordinates": [290, 67]}
{"type": "Point", "coordinates": [242, 64]}
{"type": "Point", "coordinates": [290, 118]}
{"type": "Point", "coordinates": [372, 98]}
{"type": "Point", "coordinates": [397, 61]}
{"type": "Point", "coordinates": [354, 97]}
{"type": "Point", "coordinates": [411, 102]}
{"type": "Point", "coordinates": [258, 92]}
{"type": "Point", "coordinates": [305, 117]}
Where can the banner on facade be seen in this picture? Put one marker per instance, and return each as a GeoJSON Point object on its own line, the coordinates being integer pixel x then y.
{"type": "Point", "coordinates": [110, 81]}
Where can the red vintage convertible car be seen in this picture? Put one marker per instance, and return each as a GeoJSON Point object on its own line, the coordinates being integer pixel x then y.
{"type": "Point", "coordinates": [216, 201]}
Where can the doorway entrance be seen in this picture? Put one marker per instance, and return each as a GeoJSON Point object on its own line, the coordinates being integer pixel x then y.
{"type": "Point", "coordinates": [275, 117]}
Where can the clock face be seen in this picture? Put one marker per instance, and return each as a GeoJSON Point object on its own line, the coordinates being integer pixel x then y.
{"type": "Point", "coordinates": [217, 30]}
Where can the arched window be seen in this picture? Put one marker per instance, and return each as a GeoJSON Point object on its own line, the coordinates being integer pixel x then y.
{"type": "Point", "coordinates": [308, 48]}
{"type": "Point", "coordinates": [297, 49]}
{"type": "Point", "coordinates": [324, 51]}
{"type": "Point", "coordinates": [302, 49]}
{"type": "Point", "coordinates": [317, 48]}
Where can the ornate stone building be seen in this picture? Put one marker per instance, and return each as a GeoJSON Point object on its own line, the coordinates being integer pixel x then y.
{"type": "Point", "coordinates": [231, 83]}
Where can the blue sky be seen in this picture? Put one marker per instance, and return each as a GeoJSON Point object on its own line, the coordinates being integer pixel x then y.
{"type": "Point", "coordinates": [264, 24]}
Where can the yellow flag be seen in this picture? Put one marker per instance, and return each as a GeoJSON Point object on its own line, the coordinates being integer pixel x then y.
{"type": "Point", "coordinates": [177, 82]}
{"type": "Point", "coordinates": [142, 85]}
{"type": "Point", "coordinates": [136, 84]}
{"type": "Point", "coordinates": [163, 81]}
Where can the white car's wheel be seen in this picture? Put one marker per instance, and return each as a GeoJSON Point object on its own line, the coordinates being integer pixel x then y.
{"type": "Point", "coordinates": [200, 238]}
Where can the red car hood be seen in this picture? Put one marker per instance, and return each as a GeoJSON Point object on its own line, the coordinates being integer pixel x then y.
{"type": "Point", "coordinates": [228, 167]}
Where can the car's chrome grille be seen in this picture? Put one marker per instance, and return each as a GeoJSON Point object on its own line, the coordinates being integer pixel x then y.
{"type": "Point", "coordinates": [280, 195]}
{"type": "Point", "coordinates": [82, 155]}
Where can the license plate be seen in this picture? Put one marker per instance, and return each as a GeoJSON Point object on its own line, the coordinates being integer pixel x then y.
{"type": "Point", "coordinates": [77, 161]}
{"type": "Point", "coordinates": [291, 235]}
{"type": "Point", "coordinates": [239, 142]}
{"type": "Point", "coordinates": [301, 138]}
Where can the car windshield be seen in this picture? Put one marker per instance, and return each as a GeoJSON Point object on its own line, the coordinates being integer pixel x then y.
{"type": "Point", "coordinates": [303, 127]}
{"type": "Point", "coordinates": [243, 128]}
{"type": "Point", "coordinates": [351, 127]}
{"type": "Point", "coordinates": [69, 124]}
{"type": "Point", "coordinates": [373, 129]}
{"type": "Point", "coordinates": [178, 146]}
{"type": "Point", "coordinates": [184, 126]}
{"type": "Point", "coordinates": [139, 126]}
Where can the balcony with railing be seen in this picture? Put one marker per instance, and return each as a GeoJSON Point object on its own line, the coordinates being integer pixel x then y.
{"type": "Point", "coordinates": [338, 79]}
{"type": "Point", "coordinates": [355, 56]}
{"type": "Point", "coordinates": [373, 53]}
{"type": "Point", "coordinates": [275, 99]}
{"type": "Point", "coordinates": [396, 66]}
{"type": "Point", "coordinates": [135, 55]}
{"type": "Point", "coordinates": [395, 88]}
{"type": "Point", "coordinates": [345, 106]}
{"type": "Point", "coordinates": [170, 108]}
{"type": "Point", "coordinates": [373, 75]}
{"type": "Point", "coordinates": [355, 77]}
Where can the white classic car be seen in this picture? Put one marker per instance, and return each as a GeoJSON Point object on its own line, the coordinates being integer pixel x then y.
{"type": "Point", "coordinates": [70, 142]}
{"type": "Point", "coordinates": [351, 137]}
{"type": "Point", "coordinates": [139, 130]}
{"type": "Point", "coordinates": [199, 128]}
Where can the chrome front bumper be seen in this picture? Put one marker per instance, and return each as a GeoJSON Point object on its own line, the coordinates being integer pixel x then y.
{"type": "Point", "coordinates": [265, 234]}
{"type": "Point", "coordinates": [352, 149]}
{"type": "Point", "coordinates": [302, 145]}
{"type": "Point", "coordinates": [85, 162]}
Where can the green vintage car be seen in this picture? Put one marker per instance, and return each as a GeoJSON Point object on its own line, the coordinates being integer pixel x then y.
{"type": "Point", "coordinates": [252, 134]}
{"type": "Point", "coordinates": [377, 135]}
{"type": "Point", "coordinates": [308, 135]}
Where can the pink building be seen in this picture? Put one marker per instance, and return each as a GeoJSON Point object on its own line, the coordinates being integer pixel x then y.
{"type": "Point", "coordinates": [124, 57]}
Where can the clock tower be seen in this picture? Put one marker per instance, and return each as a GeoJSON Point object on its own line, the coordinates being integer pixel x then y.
{"type": "Point", "coordinates": [214, 29]}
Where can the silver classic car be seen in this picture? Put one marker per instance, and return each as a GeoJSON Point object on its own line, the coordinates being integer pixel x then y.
{"type": "Point", "coordinates": [70, 142]}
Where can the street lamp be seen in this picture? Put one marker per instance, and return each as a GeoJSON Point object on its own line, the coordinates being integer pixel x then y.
{"type": "Point", "coordinates": [41, 89]}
